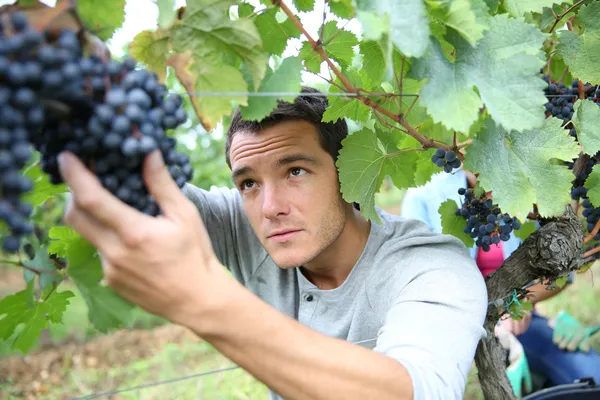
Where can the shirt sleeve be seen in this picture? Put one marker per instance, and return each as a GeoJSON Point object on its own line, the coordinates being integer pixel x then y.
{"type": "Point", "coordinates": [434, 324]}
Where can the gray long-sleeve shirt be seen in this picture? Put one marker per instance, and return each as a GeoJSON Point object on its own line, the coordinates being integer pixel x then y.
{"type": "Point", "coordinates": [413, 295]}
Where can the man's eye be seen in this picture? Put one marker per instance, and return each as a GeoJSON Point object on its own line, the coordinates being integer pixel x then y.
{"type": "Point", "coordinates": [297, 171]}
{"type": "Point", "coordinates": [247, 184]}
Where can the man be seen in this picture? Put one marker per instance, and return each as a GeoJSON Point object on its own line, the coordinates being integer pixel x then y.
{"type": "Point", "coordinates": [556, 356]}
{"type": "Point", "coordinates": [320, 303]}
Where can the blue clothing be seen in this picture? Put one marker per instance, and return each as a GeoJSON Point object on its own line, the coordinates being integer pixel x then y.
{"type": "Point", "coordinates": [557, 366]}
{"type": "Point", "coordinates": [544, 357]}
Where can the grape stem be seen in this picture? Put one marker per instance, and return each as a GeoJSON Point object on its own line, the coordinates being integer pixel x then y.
{"type": "Point", "coordinates": [591, 252]}
{"type": "Point", "coordinates": [592, 233]}
{"type": "Point", "coordinates": [568, 10]}
{"type": "Point", "coordinates": [399, 118]}
{"type": "Point", "coordinates": [32, 269]}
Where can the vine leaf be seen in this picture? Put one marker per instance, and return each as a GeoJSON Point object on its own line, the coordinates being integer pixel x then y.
{"type": "Point", "coordinates": [592, 183]}
{"type": "Point", "coordinates": [304, 5]}
{"type": "Point", "coordinates": [373, 62]}
{"type": "Point", "coordinates": [275, 35]}
{"type": "Point", "coordinates": [509, 52]}
{"type": "Point", "coordinates": [518, 167]}
{"type": "Point", "coordinates": [152, 49]}
{"type": "Point", "coordinates": [364, 162]}
{"type": "Point", "coordinates": [166, 13]}
{"type": "Point", "coordinates": [209, 75]}
{"type": "Point", "coordinates": [518, 8]}
{"type": "Point", "coordinates": [338, 45]}
{"type": "Point", "coordinates": [342, 8]}
{"type": "Point", "coordinates": [106, 309]}
{"type": "Point", "coordinates": [526, 229]}
{"type": "Point", "coordinates": [286, 78]}
{"type": "Point", "coordinates": [17, 310]}
{"type": "Point", "coordinates": [582, 53]}
{"type": "Point", "coordinates": [453, 224]}
{"type": "Point", "coordinates": [405, 21]}
{"type": "Point", "coordinates": [207, 30]}
{"type": "Point", "coordinates": [102, 17]}
{"type": "Point", "coordinates": [61, 238]}
{"type": "Point", "coordinates": [42, 188]}
{"type": "Point", "coordinates": [585, 119]}
{"type": "Point", "coordinates": [41, 262]}
{"type": "Point", "coordinates": [468, 17]}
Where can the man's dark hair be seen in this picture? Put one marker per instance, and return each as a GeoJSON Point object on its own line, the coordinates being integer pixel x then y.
{"type": "Point", "coordinates": [307, 108]}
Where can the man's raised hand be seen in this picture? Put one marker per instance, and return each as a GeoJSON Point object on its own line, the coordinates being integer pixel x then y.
{"type": "Point", "coordinates": [164, 264]}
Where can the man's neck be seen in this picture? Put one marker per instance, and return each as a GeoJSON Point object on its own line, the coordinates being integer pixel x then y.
{"type": "Point", "coordinates": [331, 268]}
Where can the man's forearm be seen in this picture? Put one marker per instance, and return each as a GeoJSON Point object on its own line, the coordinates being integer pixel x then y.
{"type": "Point", "coordinates": [293, 360]}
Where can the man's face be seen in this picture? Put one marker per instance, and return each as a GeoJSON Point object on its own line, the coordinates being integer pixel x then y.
{"type": "Point", "coordinates": [289, 186]}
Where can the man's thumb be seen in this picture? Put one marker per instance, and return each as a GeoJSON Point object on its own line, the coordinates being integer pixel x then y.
{"type": "Point", "coordinates": [160, 184]}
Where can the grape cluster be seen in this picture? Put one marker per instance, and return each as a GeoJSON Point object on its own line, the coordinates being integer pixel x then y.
{"type": "Point", "coordinates": [110, 114]}
{"type": "Point", "coordinates": [446, 159]}
{"type": "Point", "coordinates": [592, 215]}
{"type": "Point", "coordinates": [21, 114]}
{"type": "Point", "coordinates": [485, 221]}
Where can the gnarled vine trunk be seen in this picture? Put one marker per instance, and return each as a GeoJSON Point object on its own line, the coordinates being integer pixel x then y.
{"type": "Point", "coordinates": [552, 251]}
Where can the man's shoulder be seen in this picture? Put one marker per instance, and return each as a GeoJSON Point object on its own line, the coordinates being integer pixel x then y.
{"type": "Point", "coordinates": [407, 248]}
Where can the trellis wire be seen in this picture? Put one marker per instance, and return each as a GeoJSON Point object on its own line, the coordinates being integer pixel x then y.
{"type": "Point", "coordinates": [299, 94]}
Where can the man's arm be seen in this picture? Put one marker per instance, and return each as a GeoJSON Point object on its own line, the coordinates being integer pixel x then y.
{"type": "Point", "coordinates": [295, 361]}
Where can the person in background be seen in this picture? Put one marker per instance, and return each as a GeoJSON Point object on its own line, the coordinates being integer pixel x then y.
{"type": "Point", "coordinates": [556, 350]}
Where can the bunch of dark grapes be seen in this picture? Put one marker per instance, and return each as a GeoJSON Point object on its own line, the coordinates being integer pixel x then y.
{"type": "Point", "coordinates": [110, 114]}
{"type": "Point", "coordinates": [446, 159]}
{"type": "Point", "coordinates": [485, 221]}
{"type": "Point", "coordinates": [591, 215]}
{"type": "Point", "coordinates": [21, 115]}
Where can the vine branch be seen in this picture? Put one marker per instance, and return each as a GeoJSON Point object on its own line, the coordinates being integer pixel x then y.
{"type": "Point", "coordinates": [32, 269]}
{"type": "Point", "coordinates": [592, 233]}
{"type": "Point", "coordinates": [561, 16]}
{"type": "Point", "coordinates": [410, 130]}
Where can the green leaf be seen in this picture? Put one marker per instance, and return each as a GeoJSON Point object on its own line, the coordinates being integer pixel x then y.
{"type": "Point", "coordinates": [16, 311]}
{"type": "Point", "coordinates": [346, 107]}
{"type": "Point", "coordinates": [509, 52]}
{"type": "Point", "coordinates": [304, 5]}
{"type": "Point", "coordinates": [342, 8]}
{"type": "Point", "coordinates": [339, 43]}
{"type": "Point", "coordinates": [364, 162]}
{"type": "Point", "coordinates": [585, 118]}
{"type": "Point", "coordinates": [582, 53]}
{"type": "Point", "coordinates": [152, 49]}
{"type": "Point", "coordinates": [106, 309]}
{"type": "Point", "coordinates": [312, 60]}
{"type": "Point", "coordinates": [592, 183]}
{"type": "Point", "coordinates": [518, 167]}
{"type": "Point", "coordinates": [61, 238]}
{"type": "Point", "coordinates": [42, 262]}
{"type": "Point", "coordinates": [453, 224]}
{"type": "Point", "coordinates": [468, 17]}
{"type": "Point", "coordinates": [275, 35]}
{"type": "Point", "coordinates": [492, 5]}
{"type": "Point", "coordinates": [42, 188]}
{"type": "Point", "coordinates": [373, 25]}
{"type": "Point", "coordinates": [206, 29]}
{"type": "Point", "coordinates": [373, 63]}
{"type": "Point", "coordinates": [526, 229]}
{"type": "Point", "coordinates": [562, 281]}
{"type": "Point", "coordinates": [102, 17]}
{"type": "Point", "coordinates": [166, 13]}
{"type": "Point", "coordinates": [518, 8]}
{"type": "Point", "coordinates": [408, 23]}
{"type": "Point", "coordinates": [287, 78]}
{"type": "Point", "coordinates": [425, 169]}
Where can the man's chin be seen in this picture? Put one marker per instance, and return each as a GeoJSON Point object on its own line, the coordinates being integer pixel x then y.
{"type": "Point", "coordinates": [287, 261]}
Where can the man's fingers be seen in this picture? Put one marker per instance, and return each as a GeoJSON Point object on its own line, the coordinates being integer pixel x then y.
{"type": "Point", "coordinates": [161, 185]}
{"type": "Point", "coordinates": [90, 196]}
